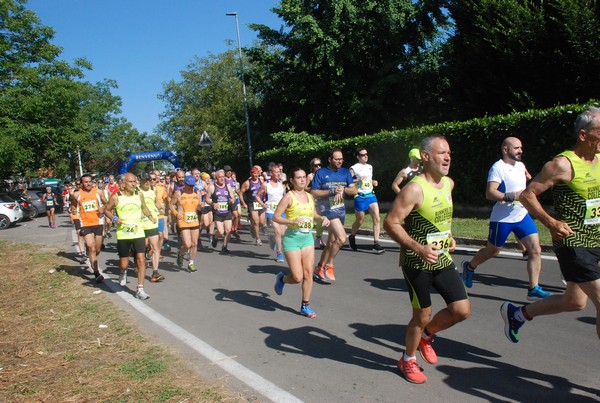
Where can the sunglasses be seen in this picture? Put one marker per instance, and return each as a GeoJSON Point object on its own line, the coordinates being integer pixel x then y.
{"type": "Point", "coordinates": [363, 155]}
{"type": "Point", "coordinates": [316, 165]}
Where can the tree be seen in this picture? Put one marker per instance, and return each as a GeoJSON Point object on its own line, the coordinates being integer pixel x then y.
{"type": "Point", "coordinates": [508, 55]}
{"type": "Point", "coordinates": [208, 98]}
{"type": "Point", "coordinates": [346, 67]}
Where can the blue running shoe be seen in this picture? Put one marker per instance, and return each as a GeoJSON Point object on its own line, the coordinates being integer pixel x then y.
{"type": "Point", "coordinates": [279, 258]}
{"type": "Point", "coordinates": [511, 324]}
{"type": "Point", "coordinates": [279, 284]}
{"type": "Point", "coordinates": [306, 311]}
{"type": "Point", "coordinates": [537, 293]}
{"type": "Point", "coordinates": [467, 274]}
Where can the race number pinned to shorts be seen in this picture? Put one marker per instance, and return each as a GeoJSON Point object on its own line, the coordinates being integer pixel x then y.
{"type": "Point", "coordinates": [222, 206]}
{"type": "Point", "coordinates": [257, 206]}
{"type": "Point", "coordinates": [440, 239]}
{"type": "Point", "coordinates": [305, 224]}
{"type": "Point", "coordinates": [592, 212]}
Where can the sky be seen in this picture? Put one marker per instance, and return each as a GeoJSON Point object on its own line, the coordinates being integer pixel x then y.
{"type": "Point", "coordinates": [143, 44]}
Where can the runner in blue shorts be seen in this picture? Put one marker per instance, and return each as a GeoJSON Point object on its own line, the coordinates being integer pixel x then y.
{"type": "Point", "coordinates": [506, 180]}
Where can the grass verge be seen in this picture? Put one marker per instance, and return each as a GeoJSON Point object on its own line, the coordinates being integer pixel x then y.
{"type": "Point", "coordinates": [52, 348]}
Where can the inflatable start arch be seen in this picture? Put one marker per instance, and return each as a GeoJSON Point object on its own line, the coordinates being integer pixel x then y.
{"type": "Point", "coordinates": [148, 156]}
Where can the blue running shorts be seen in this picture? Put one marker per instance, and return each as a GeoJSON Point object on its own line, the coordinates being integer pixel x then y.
{"type": "Point", "coordinates": [362, 203]}
{"type": "Point", "coordinates": [499, 231]}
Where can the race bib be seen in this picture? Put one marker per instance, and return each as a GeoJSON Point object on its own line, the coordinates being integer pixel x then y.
{"type": "Point", "coordinates": [440, 239]}
{"type": "Point", "coordinates": [49, 203]}
{"type": "Point", "coordinates": [257, 206]}
{"type": "Point", "coordinates": [334, 205]}
{"type": "Point", "coordinates": [592, 212]}
{"type": "Point", "coordinates": [190, 217]}
{"type": "Point", "coordinates": [305, 224]}
{"type": "Point", "coordinates": [90, 205]}
{"type": "Point", "coordinates": [367, 185]}
{"type": "Point", "coordinates": [273, 206]}
{"type": "Point", "coordinates": [129, 228]}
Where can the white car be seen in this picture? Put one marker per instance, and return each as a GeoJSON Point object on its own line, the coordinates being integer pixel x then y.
{"type": "Point", "coordinates": [10, 211]}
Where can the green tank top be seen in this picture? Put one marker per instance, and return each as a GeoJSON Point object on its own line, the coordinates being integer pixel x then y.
{"type": "Point", "coordinates": [431, 223]}
{"type": "Point", "coordinates": [129, 210]}
{"type": "Point", "coordinates": [150, 199]}
{"type": "Point", "coordinates": [578, 203]}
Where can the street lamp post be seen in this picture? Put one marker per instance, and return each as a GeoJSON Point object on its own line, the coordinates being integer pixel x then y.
{"type": "Point", "coordinates": [237, 27]}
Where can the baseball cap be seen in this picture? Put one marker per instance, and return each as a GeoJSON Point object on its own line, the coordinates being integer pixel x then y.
{"type": "Point", "coordinates": [205, 176]}
{"type": "Point", "coordinates": [414, 153]}
{"type": "Point", "coordinates": [190, 180]}
{"type": "Point", "coordinates": [227, 168]}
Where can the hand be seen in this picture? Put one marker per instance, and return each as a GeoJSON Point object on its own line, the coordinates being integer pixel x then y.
{"type": "Point", "coordinates": [452, 245]}
{"type": "Point", "coordinates": [428, 253]}
{"type": "Point", "coordinates": [375, 182]}
{"type": "Point", "coordinates": [325, 222]}
{"type": "Point", "coordinates": [179, 216]}
{"type": "Point", "coordinates": [154, 220]}
{"type": "Point", "coordinates": [559, 229]}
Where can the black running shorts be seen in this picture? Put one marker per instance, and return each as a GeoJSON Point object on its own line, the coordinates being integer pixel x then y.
{"type": "Point", "coordinates": [579, 265]}
{"type": "Point", "coordinates": [124, 246]}
{"type": "Point", "coordinates": [446, 282]}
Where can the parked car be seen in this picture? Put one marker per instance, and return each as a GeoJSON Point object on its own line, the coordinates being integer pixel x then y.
{"type": "Point", "coordinates": [29, 210]}
{"type": "Point", "coordinates": [10, 211]}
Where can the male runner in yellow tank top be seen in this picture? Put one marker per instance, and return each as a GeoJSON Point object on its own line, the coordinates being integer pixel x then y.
{"type": "Point", "coordinates": [425, 208]}
{"type": "Point", "coordinates": [574, 177]}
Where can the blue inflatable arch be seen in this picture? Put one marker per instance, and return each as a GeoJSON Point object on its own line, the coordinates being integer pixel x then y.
{"type": "Point", "coordinates": [148, 156]}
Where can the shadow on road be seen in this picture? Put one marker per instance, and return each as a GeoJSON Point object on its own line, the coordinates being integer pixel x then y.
{"type": "Point", "coordinates": [251, 298]}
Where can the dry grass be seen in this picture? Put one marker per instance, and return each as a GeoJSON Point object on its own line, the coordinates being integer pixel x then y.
{"type": "Point", "coordinates": [53, 350]}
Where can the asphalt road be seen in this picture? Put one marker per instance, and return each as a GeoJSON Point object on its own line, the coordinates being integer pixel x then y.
{"type": "Point", "coordinates": [229, 312]}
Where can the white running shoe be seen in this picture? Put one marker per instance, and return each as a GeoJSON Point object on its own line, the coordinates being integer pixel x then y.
{"type": "Point", "coordinates": [123, 278]}
{"type": "Point", "coordinates": [141, 294]}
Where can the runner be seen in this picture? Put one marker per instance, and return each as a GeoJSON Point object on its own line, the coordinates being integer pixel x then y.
{"type": "Point", "coordinates": [574, 176]}
{"type": "Point", "coordinates": [91, 203]}
{"type": "Point", "coordinates": [405, 175]}
{"type": "Point", "coordinates": [207, 214]}
{"type": "Point", "coordinates": [161, 203]}
{"type": "Point", "coordinates": [199, 189]}
{"type": "Point", "coordinates": [274, 190]}
{"type": "Point", "coordinates": [365, 200]}
{"type": "Point", "coordinates": [236, 211]}
{"type": "Point", "coordinates": [223, 198]}
{"type": "Point", "coordinates": [420, 220]}
{"type": "Point", "coordinates": [152, 229]}
{"type": "Point", "coordinates": [256, 212]}
{"type": "Point", "coordinates": [186, 205]}
{"type": "Point", "coordinates": [130, 206]}
{"type": "Point", "coordinates": [76, 219]}
{"type": "Point", "coordinates": [329, 186]}
{"type": "Point", "coordinates": [50, 201]}
{"type": "Point", "coordinates": [300, 212]}
{"type": "Point", "coordinates": [315, 165]}
{"type": "Point", "coordinates": [506, 180]}
{"type": "Point", "coordinates": [109, 188]}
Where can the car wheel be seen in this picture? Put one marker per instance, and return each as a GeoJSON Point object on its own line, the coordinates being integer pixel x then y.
{"type": "Point", "coordinates": [34, 213]}
{"type": "Point", "coordinates": [4, 222]}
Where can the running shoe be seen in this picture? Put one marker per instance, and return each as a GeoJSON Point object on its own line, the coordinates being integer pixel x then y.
{"type": "Point", "coordinates": [411, 371]}
{"type": "Point", "coordinates": [329, 272]}
{"type": "Point", "coordinates": [167, 246]}
{"type": "Point", "coordinates": [214, 241]}
{"type": "Point", "coordinates": [108, 235]}
{"type": "Point", "coordinates": [141, 294]}
{"type": "Point", "coordinates": [511, 324]}
{"type": "Point", "coordinates": [192, 268]}
{"type": "Point", "coordinates": [156, 277]}
{"type": "Point", "coordinates": [307, 311]}
{"type": "Point", "coordinates": [537, 293]}
{"type": "Point", "coordinates": [319, 274]}
{"type": "Point", "coordinates": [427, 351]}
{"type": "Point", "coordinates": [98, 277]}
{"type": "Point", "coordinates": [279, 284]}
{"type": "Point", "coordinates": [279, 258]}
{"type": "Point", "coordinates": [123, 278]}
{"type": "Point", "coordinates": [258, 242]}
{"type": "Point", "coordinates": [352, 242]}
{"type": "Point", "coordinates": [225, 251]}
{"type": "Point", "coordinates": [467, 274]}
{"type": "Point", "coordinates": [179, 259]}
{"type": "Point", "coordinates": [378, 248]}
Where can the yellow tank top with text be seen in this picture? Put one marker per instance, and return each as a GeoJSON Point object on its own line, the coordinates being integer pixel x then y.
{"type": "Point", "coordinates": [431, 223]}
{"type": "Point", "coordinates": [129, 210]}
{"type": "Point", "coordinates": [303, 211]}
{"type": "Point", "coordinates": [578, 203]}
{"type": "Point", "coordinates": [150, 199]}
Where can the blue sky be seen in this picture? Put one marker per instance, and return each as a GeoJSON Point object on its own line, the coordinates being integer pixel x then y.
{"type": "Point", "coordinates": [142, 44]}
